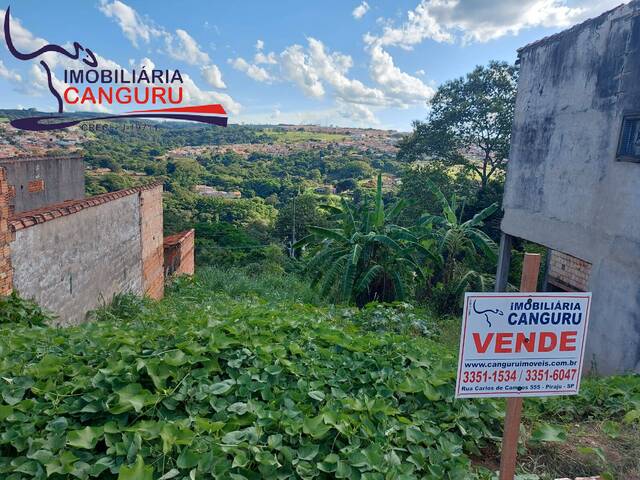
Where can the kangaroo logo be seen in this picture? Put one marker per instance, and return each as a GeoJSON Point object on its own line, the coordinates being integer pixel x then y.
{"type": "Point", "coordinates": [90, 59]}
{"type": "Point", "coordinates": [487, 312]}
{"type": "Point", "coordinates": [213, 114]}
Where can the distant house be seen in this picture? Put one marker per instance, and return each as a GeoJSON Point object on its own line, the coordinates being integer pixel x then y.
{"type": "Point", "coordinates": [208, 191]}
{"type": "Point", "coordinates": [100, 171]}
{"type": "Point", "coordinates": [325, 190]}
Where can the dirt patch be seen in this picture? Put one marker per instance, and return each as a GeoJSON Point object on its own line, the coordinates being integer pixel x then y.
{"type": "Point", "coordinates": [590, 449]}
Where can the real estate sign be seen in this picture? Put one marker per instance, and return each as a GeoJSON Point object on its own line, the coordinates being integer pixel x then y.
{"type": "Point", "coordinates": [522, 344]}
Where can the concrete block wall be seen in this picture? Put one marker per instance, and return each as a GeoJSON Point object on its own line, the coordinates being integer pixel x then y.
{"type": "Point", "coordinates": [6, 272]}
{"type": "Point", "coordinates": [74, 256]}
{"type": "Point", "coordinates": [568, 272]}
{"type": "Point", "coordinates": [152, 242]}
{"type": "Point", "coordinates": [39, 181]}
{"type": "Point", "coordinates": [566, 187]}
{"type": "Point", "coordinates": [76, 262]}
{"type": "Point", "coordinates": [179, 253]}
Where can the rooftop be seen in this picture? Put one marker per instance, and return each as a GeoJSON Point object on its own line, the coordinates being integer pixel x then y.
{"type": "Point", "coordinates": [177, 238]}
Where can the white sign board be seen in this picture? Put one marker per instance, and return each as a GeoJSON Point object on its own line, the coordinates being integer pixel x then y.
{"type": "Point", "coordinates": [522, 344]}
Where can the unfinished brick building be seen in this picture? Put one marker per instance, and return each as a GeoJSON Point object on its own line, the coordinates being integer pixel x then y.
{"type": "Point", "coordinates": [179, 254]}
{"type": "Point", "coordinates": [75, 255]}
{"type": "Point", "coordinates": [39, 181]}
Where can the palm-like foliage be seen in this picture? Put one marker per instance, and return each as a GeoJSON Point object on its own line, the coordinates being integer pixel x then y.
{"type": "Point", "coordinates": [460, 244]}
{"type": "Point", "coordinates": [365, 256]}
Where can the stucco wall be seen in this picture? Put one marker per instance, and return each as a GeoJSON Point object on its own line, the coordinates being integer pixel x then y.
{"type": "Point", "coordinates": [565, 188]}
{"type": "Point", "coordinates": [39, 181]}
{"type": "Point", "coordinates": [74, 263]}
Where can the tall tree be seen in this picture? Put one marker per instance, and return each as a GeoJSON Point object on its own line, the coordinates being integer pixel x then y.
{"type": "Point", "coordinates": [469, 122]}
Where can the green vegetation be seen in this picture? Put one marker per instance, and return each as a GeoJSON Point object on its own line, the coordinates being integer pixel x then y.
{"type": "Point", "coordinates": [238, 375]}
{"type": "Point", "coordinates": [461, 247]}
{"type": "Point", "coordinates": [366, 257]}
{"type": "Point", "coordinates": [208, 384]}
{"type": "Point", "coordinates": [293, 136]}
{"type": "Point", "coordinates": [280, 362]}
{"type": "Point", "coordinates": [15, 310]}
{"type": "Point", "coordinates": [471, 115]}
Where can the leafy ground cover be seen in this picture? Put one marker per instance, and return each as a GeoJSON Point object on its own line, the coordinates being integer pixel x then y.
{"type": "Point", "coordinates": [241, 377]}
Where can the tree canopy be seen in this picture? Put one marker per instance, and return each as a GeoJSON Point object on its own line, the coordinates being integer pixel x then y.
{"type": "Point", "coordinates": [469, 122]}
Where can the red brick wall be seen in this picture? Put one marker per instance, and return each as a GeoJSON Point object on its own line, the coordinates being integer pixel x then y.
{"type": "Point", "coordinates": [6, 272]}
{"type": "Point", "coordinates": [567, 272]}
{"type": "Point", "coordinates": [35, 186]}
{"type": "Point", "coordinates": [152, 238]}
{"type": "Point", "coordinates": [179, 253]}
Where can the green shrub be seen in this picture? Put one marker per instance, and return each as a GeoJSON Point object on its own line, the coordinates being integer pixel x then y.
{"type": "Point", "coordinates": [257, 281]}
{"type": "Point", "coordinates": [16, 310]}
{"type": "Point", "coordinates": [123, 306]}
{"type": "Point", "coordinates": [398, 317]}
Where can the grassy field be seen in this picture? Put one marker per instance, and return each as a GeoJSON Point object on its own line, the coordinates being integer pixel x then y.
{"type": "Point", "coordinates": [291, 136]}
{"type": "Point", "coordinates": [245, 374]}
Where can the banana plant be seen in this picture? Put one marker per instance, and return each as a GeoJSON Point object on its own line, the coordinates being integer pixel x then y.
{"type": "Point", "coordinates": [365, 256]}
{"type": "Point", "coordinates": [460, 244]}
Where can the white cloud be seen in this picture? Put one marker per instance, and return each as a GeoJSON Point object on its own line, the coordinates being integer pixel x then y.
{"type": "Point", "coordinates": [420, 24]}
{"type": "Point", "coordinates": [360, 114]}
{"type": "Point", "coordinates": [132, 25]}
{"type": "Point", "coordinates": [332, 68]}
{"type": "Point", "coordinates": [213, 76]}
{"type": "Point", "coordinates": [147, 64]}
{"type": "Point", "coordinates": [421, 72]}
{"type": "Point", "coordinates": [298, 69]}
{"type": "Point", "coordinates": [269, 58]}
{"type": "Point", "coordinates": [193, 95]}
{"type": "Point", "coordinates": [255, 72]}
{"type": "Point", "coordinates": [360, 10]}
{"type": "Point", "coordinates": [179, 46]}
{"type": "Point", "coordinates": [22, 38]}
{"type": "Point", "coordinates": [36, 82]}
{"type": "Point", "coordinates": [394, 82]}
{"type": "Point", "coordinates": [315, 69]}
{"type": "Point", "coordinates": [9, 74]}
{"type": "Point", "coordinates": [480, 21]}
{"type": "Point", "coordinates": [186, 48]}
{"type": "Point", "coordinates": [261, 57]}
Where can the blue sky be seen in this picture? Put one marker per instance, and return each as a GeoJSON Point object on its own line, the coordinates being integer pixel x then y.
{"type": "Point", "coordinates": [330, 62]}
